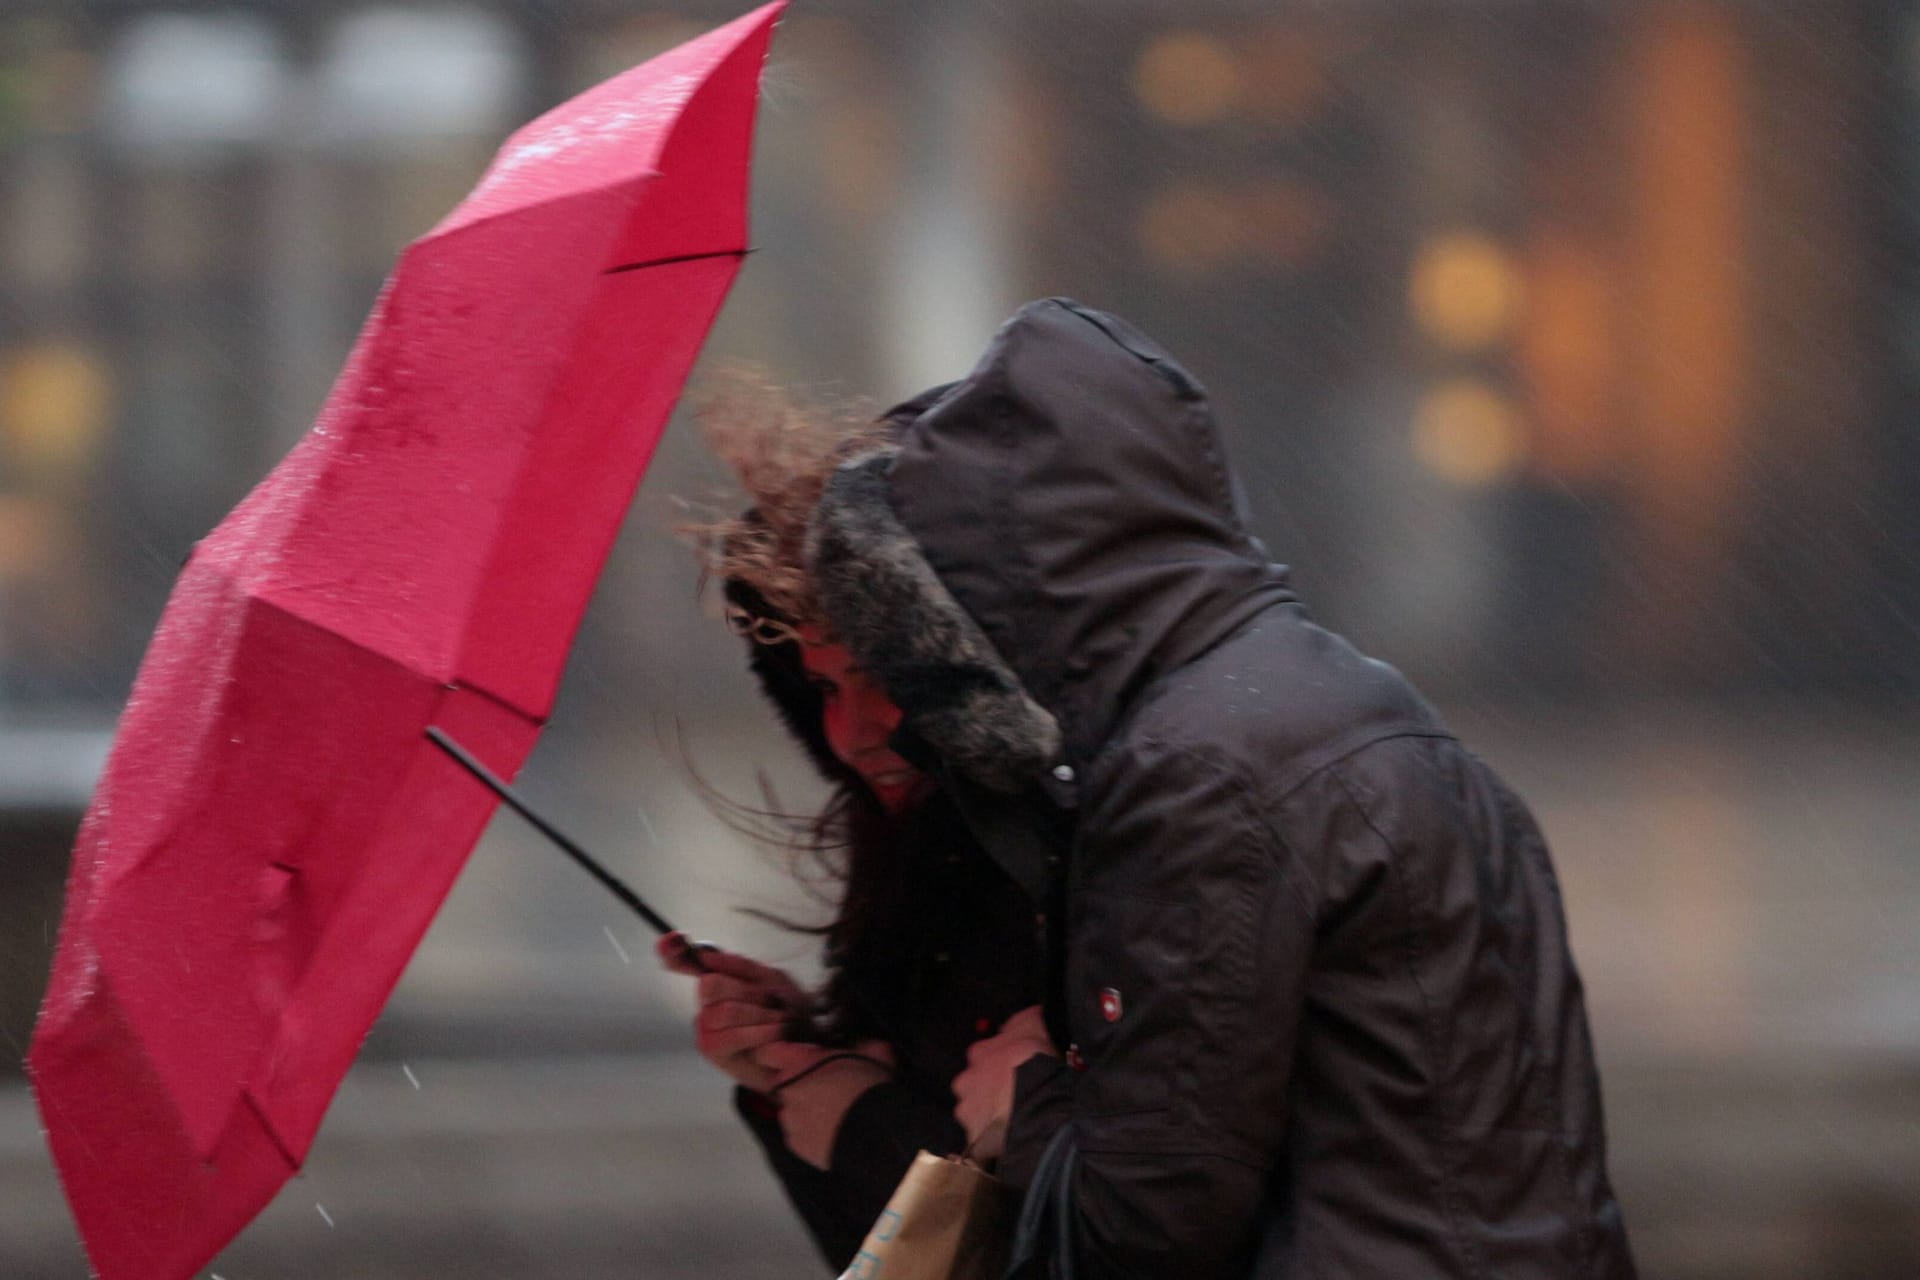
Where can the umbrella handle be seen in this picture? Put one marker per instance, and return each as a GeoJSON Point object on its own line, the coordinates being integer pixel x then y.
{"type": "Point", "coordinates": [613, 883]}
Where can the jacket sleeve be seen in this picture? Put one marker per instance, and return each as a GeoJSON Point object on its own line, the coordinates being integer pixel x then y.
{"type": "Point", "coordinates": [876, 1142]}
{"type": "Point", "coordinates": [1189, 935]}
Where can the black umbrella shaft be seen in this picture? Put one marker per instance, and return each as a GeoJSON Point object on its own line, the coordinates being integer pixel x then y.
{"type": "Point", "coordinates": [614, 884]}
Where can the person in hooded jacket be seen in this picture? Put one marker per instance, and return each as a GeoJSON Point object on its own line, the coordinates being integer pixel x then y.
{"type": "Point", "coordinates": [930, 946]}
{"type": "Point", "coordinates": [1310, 1009]}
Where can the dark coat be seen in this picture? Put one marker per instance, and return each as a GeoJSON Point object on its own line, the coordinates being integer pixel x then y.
{"type": "Point", "coordinates": [952, 953]}
{"type": "Point", "coordinates": [1311, 967]}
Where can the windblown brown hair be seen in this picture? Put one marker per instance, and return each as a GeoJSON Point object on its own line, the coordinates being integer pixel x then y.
{"type": "Point", "coordinates": [781, 447]}
{"type": "Point", "coordinates": [846, 859]}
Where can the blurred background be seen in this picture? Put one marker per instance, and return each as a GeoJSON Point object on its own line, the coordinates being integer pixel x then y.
{"type": "Point", "coordinates": [1570, 352]}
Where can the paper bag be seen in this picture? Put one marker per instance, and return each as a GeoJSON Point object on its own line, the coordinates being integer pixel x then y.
{"type": "Point", "coordinates": [946, 1221]}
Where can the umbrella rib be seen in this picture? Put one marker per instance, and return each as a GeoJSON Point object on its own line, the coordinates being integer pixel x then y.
{"type": "Point", "coordinates": [587, 861]}
{"type": "Point", "coordinates": [481, 691]}
{"type": "Point", "coordinates": [266, 1126]}
{"type": "Point", "coordinates": [684, 257]}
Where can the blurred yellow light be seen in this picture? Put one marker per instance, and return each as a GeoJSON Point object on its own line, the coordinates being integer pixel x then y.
{"type": "Point", "coordinates": [1468, 433]}
{"type": "Point", "coordinates": [1187, 77]}
{"type": "Point", "coordinates": [54, 402]}
{"type": "Point", "coordinates": [1466, 291]}
{"type": "Point", "coordinates": [1189, 228]}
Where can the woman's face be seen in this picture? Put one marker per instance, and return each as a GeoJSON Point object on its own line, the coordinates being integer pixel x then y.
{"type": "Point", "coordinates": [858, 718]}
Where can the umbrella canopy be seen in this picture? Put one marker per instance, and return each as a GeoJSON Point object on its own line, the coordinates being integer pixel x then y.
{"type": "Point", "coordinates": [273, 832]}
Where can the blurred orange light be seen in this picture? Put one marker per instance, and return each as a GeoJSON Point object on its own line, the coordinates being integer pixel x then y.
{"type": "Point", "coordinates": [1189, 229]}
{"type": "Point", "coordinates": [1689, 195]}
{"type": "Point", "coordinates": [54, 402]}
{"type": "Point", "coordinates": [27, 536]}
{"type": "Point", "coordinates": [1290, 221]}
{"type": "Point", "coordinates": [1188, 77]}
{"type": "Point", "coordinates": [1466, 291]}
{"type": "Point", "coordinates": [1289, 86]}
{"type": "Point", "coordinates": [1467, 432]}
{"type": "Point", "coordinates": [1566, 354]}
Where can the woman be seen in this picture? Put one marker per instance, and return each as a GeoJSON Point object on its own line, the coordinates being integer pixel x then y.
{"type": "Point", "coordinates": [930, 947]}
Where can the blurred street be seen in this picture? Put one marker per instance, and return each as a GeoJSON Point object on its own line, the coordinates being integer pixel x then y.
{"type": "Point", "coordinates": [591, 1168]}
{"type": "Point", "coordinates": [597, 1168]}
{"type": "Point", "coordinates": [1745, 904]}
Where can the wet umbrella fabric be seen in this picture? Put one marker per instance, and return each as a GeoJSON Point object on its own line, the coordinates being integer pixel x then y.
{"type": "Point", "coordinates": [273, 832]}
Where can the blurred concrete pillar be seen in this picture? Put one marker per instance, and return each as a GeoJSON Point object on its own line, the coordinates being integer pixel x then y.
{"type": "Point", "coordinates": [1430, 548]}
{"type": "Point", "coordinates": [951, 279]}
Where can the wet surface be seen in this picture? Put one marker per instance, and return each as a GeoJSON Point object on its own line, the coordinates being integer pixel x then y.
{"type": "Point", "coordinates": [585, 1167]}
{"type": "Point", "coordinates": [1744, 892]}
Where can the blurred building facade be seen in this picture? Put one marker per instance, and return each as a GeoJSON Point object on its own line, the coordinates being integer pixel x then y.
{"type": "Point", "coordinates": [1564, 345]}
{"type": "Point", "coordinates": [1570, 351]}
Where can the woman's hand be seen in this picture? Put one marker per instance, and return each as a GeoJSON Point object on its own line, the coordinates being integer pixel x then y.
{"type": "Point", "coordinates": [745, 1009]}
{"type": "Point", "coordinates": [983, 1092]}
{"type": "Point", "coordinates": [744, 1006]}
{"type": "Point", "coordinates": [815, 1086]}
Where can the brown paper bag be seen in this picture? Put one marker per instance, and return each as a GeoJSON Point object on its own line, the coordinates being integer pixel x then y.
{"type": "Point", "coordinates": [947, 1221]}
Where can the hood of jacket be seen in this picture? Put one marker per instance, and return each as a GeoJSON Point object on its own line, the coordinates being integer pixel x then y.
{"type": "Point", "coordinates": [1051, 534]}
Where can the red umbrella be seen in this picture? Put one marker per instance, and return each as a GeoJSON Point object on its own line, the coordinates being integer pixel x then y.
{"type": "Point", "coordinates": [274, 832]}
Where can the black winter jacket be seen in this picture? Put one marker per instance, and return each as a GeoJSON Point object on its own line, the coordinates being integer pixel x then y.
{"type": "Point", "coordinates": [1311, 969]}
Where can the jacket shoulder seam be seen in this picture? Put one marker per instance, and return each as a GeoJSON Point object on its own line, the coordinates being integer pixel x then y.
{"type": "Point", "coordinates": [1348, 745]}
{"type": "Point", "coordinates": [1279, 852]}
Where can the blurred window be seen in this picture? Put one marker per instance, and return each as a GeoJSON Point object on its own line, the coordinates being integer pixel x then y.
{"type": "Point", "coordinates": [181, 83]}
{"type": "Point", "coordinates": [407, 78]}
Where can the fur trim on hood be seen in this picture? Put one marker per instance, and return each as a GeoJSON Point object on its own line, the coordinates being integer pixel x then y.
{"type": "Point", "coordinates": [899, 621]}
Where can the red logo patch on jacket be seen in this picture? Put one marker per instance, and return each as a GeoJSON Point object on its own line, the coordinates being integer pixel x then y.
{"type": "Point", "coordinates": [1110, 1006]}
